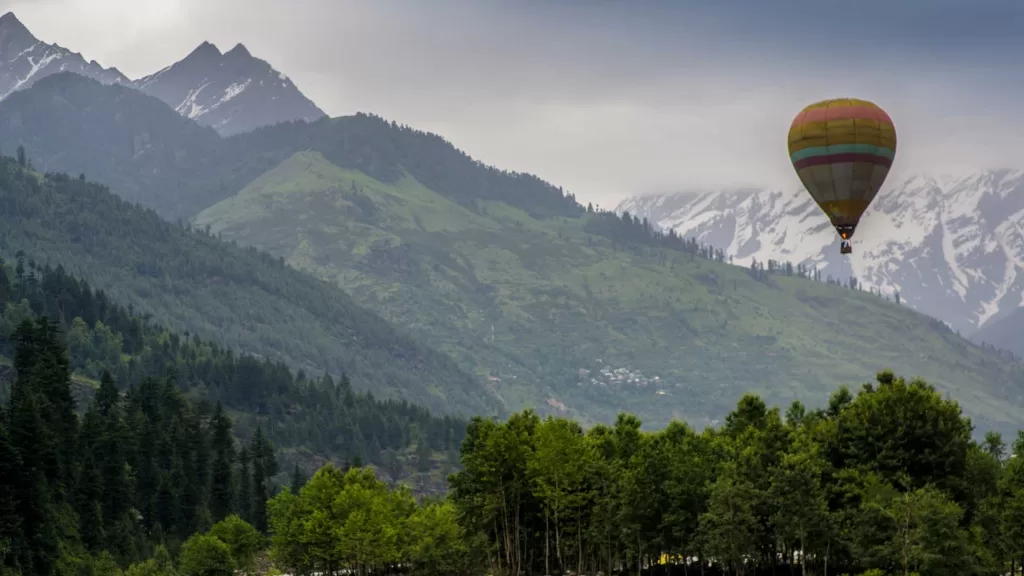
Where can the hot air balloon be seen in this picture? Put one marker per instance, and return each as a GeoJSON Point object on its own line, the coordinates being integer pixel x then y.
{"type": "Point", "coordinates": [842, 150]}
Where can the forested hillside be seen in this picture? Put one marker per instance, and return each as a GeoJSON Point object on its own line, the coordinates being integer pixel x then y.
{"type": "Point", "coordinates": [240, 298]}
{"type": "Point", "coordinates": [552, 305]}
{"type": "Point", "coordinates": [145, 478]}
{"type": "Point", "coordinates": [588, 315]}
{"type": "Point", "coordinates": [138, 470]}
{"type": "Point", "coordinates": [884, 481]}
{"type": "Point", "coordinates": [153, 156]}
{"type": "Point", "coordinates": [311, 420]}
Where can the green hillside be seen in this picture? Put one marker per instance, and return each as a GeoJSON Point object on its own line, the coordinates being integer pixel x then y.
{"type": "Point", "coordinates": [309, 420]}
{"type": "Point", "coordinates": [535, 302]}
{"type": "Point", "coordinates": [506, 272]}
{"type": "Point", "coordinates": [247, 301]}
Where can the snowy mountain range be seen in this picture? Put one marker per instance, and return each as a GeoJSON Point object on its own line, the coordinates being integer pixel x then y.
{"type": "Point", "coordinates": [24, 59]}
{"type": "Point", "coordinates": [952, 247]}
{"type": "Point", "coordinates": [232, 92]}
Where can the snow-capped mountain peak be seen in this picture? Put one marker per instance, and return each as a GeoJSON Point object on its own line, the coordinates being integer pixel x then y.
{"type": "Point", "coordinates": [231, 92]}
{"type": "Point", "coordinates": [24, 59]}
{"type": "Point", "coordinates": [953, 247]}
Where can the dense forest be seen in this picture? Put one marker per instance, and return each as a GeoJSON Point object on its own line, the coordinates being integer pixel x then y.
{"type": "Point", "coordinates": [147, 483]}
{"type": "Point", "coordinates": [137, 470]}
{"type": "Point", "coordinates": [310, 419]}
{"type": "Point", "coordinates": [887, 481]}
{"type": "Point", "coordinates": [883, 482]}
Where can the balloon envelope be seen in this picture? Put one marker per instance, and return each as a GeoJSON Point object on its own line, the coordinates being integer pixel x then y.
{"type": "Point", "coordinates": [842, 150]}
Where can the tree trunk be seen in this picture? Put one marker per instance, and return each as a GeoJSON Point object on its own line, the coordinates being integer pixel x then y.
{"type": "Point", "coordinates": [519, 547]}
{"type": "Point", "coordinates": [558, 541]}
{"type": "Point", "coordinates": [547, 543]}
{"type": "Point", "coordinates": [639, 556]}
{"type": "Point", "coordinates": [803, 557]}
{"type": "Point", "coordinates": [497, 540]}
{"type": "Point", "coordinates": [579, 541]}
{"type": "Point", "coordinates": [828, 548]}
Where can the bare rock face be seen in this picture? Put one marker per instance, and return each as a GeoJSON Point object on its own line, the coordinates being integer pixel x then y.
{"type": "Point", "coordinates": [232, 92]}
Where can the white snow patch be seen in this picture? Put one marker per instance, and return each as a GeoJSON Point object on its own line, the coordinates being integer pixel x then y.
{"type": "Point", "coordinates": [991, 307]}
{"type": "Point", "coordinates": [234, 90]}
{"type": "Point", "coordinates": [949, 254]}
{"type": "Point", "coordinates": [188, 106]}
{"type": "Point", "coordinates": [36, 67]}
{"type": "Point", "coordinates": [25, 51]}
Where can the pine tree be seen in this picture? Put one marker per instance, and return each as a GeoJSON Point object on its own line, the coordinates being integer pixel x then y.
{"type": "Point", "coordinates": [107, 397]}
{"type": "Point", "coordinates": [35, 446]}
{"type": "Point", "coordinates": [222, 445]}
{"type": "Point", "coordinates": [89, 488]}
{"type": "Point", "coordinates": [11, 537]}
{"type": "Point", "coordinates": [244, 502]}
{"type": "Point", "coordinates": [264, 466]}
{"type": "Point", "coordinates": [298, 480]}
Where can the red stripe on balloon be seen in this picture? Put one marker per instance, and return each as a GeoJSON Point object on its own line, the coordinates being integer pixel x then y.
{"type": "Point", "coordinates": [841, 159]}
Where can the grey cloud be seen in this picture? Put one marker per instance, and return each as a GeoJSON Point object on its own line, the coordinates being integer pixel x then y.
{"type": "Point", "coordinates": [599, 99]}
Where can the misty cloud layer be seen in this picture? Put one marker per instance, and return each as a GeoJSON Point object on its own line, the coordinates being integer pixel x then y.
{"type": "Point", "coordinates": [607, 99]}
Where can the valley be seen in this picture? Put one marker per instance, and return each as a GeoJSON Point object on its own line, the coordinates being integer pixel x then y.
{"type": "Point", "coordinates": [244, 334]}
{"type": "Point", "coordinates": [507, 275]}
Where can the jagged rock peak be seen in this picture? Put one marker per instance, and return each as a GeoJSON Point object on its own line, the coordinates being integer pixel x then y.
{"type": "Point", "coordinates": [205, 50]}
{"type": "Point", "coordinates": [239, 51]}
{"type": "Point", "coordinates": [12, 31]}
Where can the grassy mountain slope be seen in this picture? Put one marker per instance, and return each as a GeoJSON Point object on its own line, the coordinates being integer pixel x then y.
{"type": "Point", "coordinates": [533, 301]}
{"type": "Point", "coordinates": [450, 247]}
{"type": "Point", "coordinates": [246, 300]}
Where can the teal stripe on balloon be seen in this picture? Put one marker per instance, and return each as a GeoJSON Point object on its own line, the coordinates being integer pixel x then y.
{"type": "Point", "coordinates": [843, 149]}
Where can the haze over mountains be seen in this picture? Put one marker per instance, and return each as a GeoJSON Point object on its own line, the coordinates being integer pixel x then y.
{"type": "Point", "coordinates": [231, 92]}
{"type": "Point", "coordinates": [503, 283]}
{"type": "Point", "coordinates": [952, 247]}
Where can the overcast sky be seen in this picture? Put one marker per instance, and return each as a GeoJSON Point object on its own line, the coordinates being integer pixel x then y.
{"type": "Point", "coordinates": [608, 98]}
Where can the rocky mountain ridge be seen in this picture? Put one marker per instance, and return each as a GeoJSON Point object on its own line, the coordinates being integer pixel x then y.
{"type": "Point", "coordinates": [232, 92]}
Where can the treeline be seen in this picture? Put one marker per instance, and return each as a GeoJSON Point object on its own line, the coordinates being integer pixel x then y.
{"type": "Point", "coordinates": [626, 229]}
{"type": "Point", "coordinates": [887, 481]}
{"type": "Point", "coordinates": [138, 470]}
{"type": "Point", "coordinates": [313, 418]}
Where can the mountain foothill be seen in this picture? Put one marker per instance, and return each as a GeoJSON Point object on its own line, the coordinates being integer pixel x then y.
{"type": "Point", "coordinates": [215, 202]}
